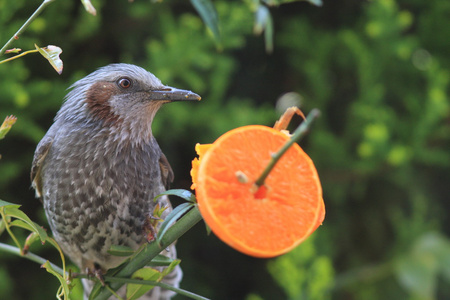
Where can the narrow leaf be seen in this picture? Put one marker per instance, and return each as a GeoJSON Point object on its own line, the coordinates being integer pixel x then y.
{"type": "Point", "coordinates": [261, 16]}
{"type": "Point", "coordinates": [61, 279]}
{"type": "Point", "coordinates": [4, 203]}
{"type": "Point", "coordinates": [41, 233]}
{"type": "Point", "coordinates": [263, 22]}
{"type": "Point", "coordinates": [185, 194]}
{"type": "Point", "coordinates": [170, 268]}
{"type": "Point", "coordinates": [6, 125]}
{"type": "Point", "coordinates": [315, 2]}
{"type": "Point", "coordinates": [2, 226]}
{"type": "Point", "coordinates": [118, 250]}
{"type": "Point", "coordinates": [134, 291]}
{"type": "Point", "coordinates": [279, 2]}
{"type": "Point", "coordinates": [208, 13]}
{"type": "Point", "coordinates": [32, 237]}
{"type": "Point", "coordinates": [18, 214]}
{"type": "Point", "coordinates": [13, 50]}
{"type": "Point", "coordinates": [160, 261]}
{"type": "Point", "coordinates": [89, 7]}
{"type": "Point", "coordinates": [51, 53]}
{"type": "Point", "coordinates": [172, 218]}
{"type": "Point", "coordinates": [268, 34]}
{"type": "Point", "coordinates": [95, 291]}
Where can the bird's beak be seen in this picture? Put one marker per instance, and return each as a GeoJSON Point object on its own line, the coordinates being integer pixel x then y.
{"type": "Point", "coordinates": [170, 94]}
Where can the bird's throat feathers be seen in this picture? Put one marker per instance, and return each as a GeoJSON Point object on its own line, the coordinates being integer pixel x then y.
{"type": "Point", "coordinates": [102, 110]}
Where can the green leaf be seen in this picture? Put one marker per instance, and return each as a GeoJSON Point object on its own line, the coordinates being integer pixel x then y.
{"type": "Point", "coordinates": [160, 261]}
{"type": "Point", "coordinates": [263, 22]}
{"type": "Point", "coordinates": [416, 276]}
{"type": "Point", "coordinates": [15, 212]}
{"type": "Point", "coordinates": [268, 34]}
{"type": "Point", "coordinates": [32, 237]}
{"type": "Point", "coordinates": [6, 126]}
{"type": "Point", "coordinates": [118, 250]}
{"type": "Point", "coordinates": [185, 194]}
{"type": "Point", "coordinates": [89, 7]}
{"type": "Point", "coordinates": [315, 2]}
{"type": "Point", "coordinates": [135, 291]}
{"type": "Point", "coordinates": [4, 203]}
{"type": "Point", "coordinates": [2, 226]}
{"type": "Point", "coordinates": [62, 280]}
{"type": "Point", "coordinates": [279, 2]}
{"type": "Point", "coordinates": [41, 233]}
{"type": "Point", "coordinates": [208, 13]}
{"type": "Point", "coordinates": [261, 16]}
{"type": "Point", "coordinates": [171, 267]}
{"type": "Point", "coordinates": [172, 218]}
{"type": "Point", "coordinates": [418, 271]}
{"type": "Point", "coordinates": [13, 50]}
{"type": "Point", "coordinates": [208, 229]}
{"type": "Point", "coordinates": [95, 291]}
{"type": "Point", "coordinates": [51, 53]}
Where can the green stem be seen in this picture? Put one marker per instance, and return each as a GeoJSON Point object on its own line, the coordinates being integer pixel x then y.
{"type": "Point", "coordinates": [151, 250]}
{"type": "Point", "coordinates": [113, 292]}
{"type": "Point", "coordinates": [29, 255]}
{"type": "Point", "coordinates": [19, 55]}
{"type": "Point", "coordinates": [2, 225]}
{"type": "Point", "coordinates": [6, 222]}
{"type": "Point", "coordinates": [150, 282]}
{"type": "Point", "coordinates": [25, 25]}
{"type": "Point", "coordinates": [296, 136]}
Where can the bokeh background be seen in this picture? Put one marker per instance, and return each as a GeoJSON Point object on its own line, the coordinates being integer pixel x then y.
{"type": "Point", "coordinates": [378, 70]}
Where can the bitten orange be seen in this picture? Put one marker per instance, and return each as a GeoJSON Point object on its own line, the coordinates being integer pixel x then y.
{"type": "Point", "coordinates": [263, 221]}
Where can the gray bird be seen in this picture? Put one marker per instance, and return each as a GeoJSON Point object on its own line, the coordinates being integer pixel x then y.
{"type": "Point", "coordinates": [99, 167]}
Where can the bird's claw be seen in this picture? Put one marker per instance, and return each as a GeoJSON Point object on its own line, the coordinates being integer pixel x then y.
{"type": "Point", "coordinates": [97, 273]}
{"type": "Point", "coordinates": [150, 231]}
{"type": "Point", "coordinates": [152, 221]}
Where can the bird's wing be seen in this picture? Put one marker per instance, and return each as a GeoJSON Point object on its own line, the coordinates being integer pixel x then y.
{"type": "Point", "coordinates": [166, 171]}
{"type": "Point", "coordinates": [39, 156]}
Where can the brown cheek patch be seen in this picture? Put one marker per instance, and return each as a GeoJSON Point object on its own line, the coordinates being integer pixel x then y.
{"type": "Point", "coordinates": [97, 99]}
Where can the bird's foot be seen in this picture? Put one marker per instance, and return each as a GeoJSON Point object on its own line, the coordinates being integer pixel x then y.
{"type": "Point", "coordinates": [150, 229]}
{"type": "Point", "coordinates": [152, 221]}
{"type": "Point", "coordinates": [96, 272]}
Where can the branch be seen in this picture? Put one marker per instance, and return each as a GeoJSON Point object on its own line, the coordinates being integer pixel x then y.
{"type": "Point", "coordinates": [18, 55]}
{"type": "Point", "coordinates": [24, 26]}
{"type": "Point", "coordinates": [29, 255]}
{"type": "Point", "coordinates": [147, 282]}
{"type": "Point", "coordinates": [296, 136]}
{"type": "Point", "coordinates": [151, 250]}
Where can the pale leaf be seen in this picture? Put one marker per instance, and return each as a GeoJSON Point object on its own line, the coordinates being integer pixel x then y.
{"type": "Point", "coordinates": [89, 7]}
{"type": "Point", "coordinates": [51, 53]}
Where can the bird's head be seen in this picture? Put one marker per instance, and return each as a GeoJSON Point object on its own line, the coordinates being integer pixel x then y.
{"type": "Point", "coordinates": [122, 97]}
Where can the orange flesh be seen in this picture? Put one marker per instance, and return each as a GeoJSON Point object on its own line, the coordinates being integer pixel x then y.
{"type": "Point", "coordinates": [263, 222]}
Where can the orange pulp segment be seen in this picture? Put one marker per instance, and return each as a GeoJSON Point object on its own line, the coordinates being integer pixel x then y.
{"type": "Point", "coordinates": [265, 221]}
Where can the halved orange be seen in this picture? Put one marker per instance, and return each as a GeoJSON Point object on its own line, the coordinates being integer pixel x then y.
{"type": "Point", "coordinates": [261, 221]}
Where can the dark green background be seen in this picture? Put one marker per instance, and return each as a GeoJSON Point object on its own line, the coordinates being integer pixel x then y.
{"type": "Point", "coordinates": [379, 71]}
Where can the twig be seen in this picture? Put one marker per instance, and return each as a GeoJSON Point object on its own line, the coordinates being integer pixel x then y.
{"type": "Point", "coordinates": [296, 136]}
{"type": "Point", "coordinates": [29, 255]}
{"type": "Point", "coordinates": [156, 283]}
{"type": "Point", "coordinates": [5, 221]}
{"type": "Point", "coordinates": [151, 250]}
{"type": "Point", "coordinates": [25, 25]}
{"type": "Point", "coordinates": [18, 55]}
{"type": "Point", "coordinates": [147, 282]}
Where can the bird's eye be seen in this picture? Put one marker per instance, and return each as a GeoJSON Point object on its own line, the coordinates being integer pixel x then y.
{"type": "Point", "coordinates": [124, 83]}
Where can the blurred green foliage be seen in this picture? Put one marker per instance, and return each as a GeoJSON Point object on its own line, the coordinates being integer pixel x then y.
{"type": "Point", "coordinates": [379, 71]}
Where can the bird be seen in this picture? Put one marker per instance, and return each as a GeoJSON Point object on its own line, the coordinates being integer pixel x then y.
{"type": "Point", "coordinates": [99, 167]}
